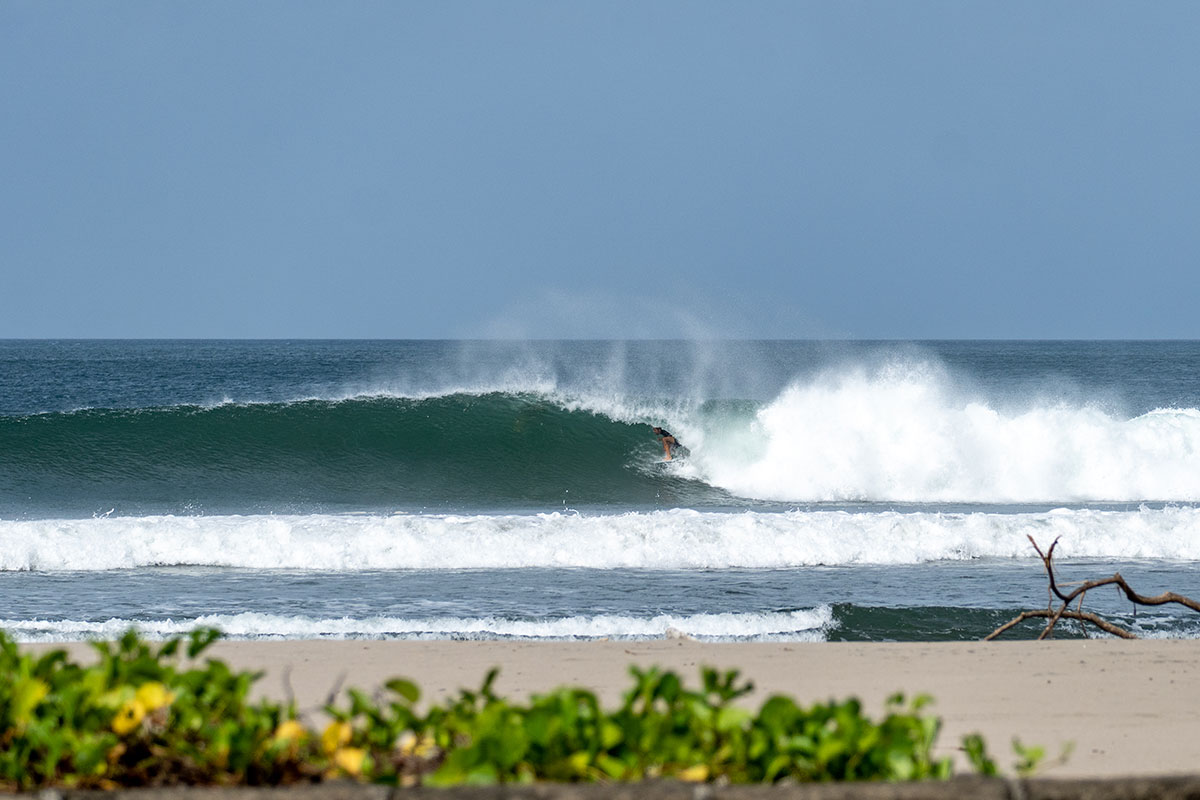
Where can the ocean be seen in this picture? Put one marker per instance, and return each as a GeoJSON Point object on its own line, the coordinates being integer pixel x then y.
{"type": "Point", "coordinates": [865, 491]}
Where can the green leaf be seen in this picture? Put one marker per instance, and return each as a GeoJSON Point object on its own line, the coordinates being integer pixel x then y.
{"type": "Point", "coordinates": [1028, 757]}
{"type": "Point", "coordinates": [976, 750]}
{"type": "Point", "coordinates": [611, 735]}
{"type": "Point", "coordinates": [901, 765]}
{"type": "Point", "coordinates": [200, 639]}
{"type": "Point", "coordinates": [26, 694]}
{"type": "Point", "coordinates": [405, 688]}
{"type": "Point", "coordinates": [732, 718]}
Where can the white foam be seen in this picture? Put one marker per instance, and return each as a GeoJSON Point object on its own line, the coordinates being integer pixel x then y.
{"type": "Point", "coordinates": [802, 625]}
{"type": "Point", "coordinates": [676, 539]}
{"type": "Point", "coordinates": [905, 434]}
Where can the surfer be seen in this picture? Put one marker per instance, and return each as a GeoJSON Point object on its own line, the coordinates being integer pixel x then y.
{"type": "Point", "coordinates": [669, 442]}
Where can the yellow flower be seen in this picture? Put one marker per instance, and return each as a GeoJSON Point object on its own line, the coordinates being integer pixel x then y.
{"type": "Point", "coordinates": [696, 774]}
{"type": "Point", "coordinates": [128, 717]}
{"type": "Point", "coordinates": [409, 744]}
{"type": "Point", "coordinates": [350, 759]}
{"type": "Point", "coordinates": [406, 743]}
{"type": "Point", "coordinates": [336, 735]}
{"type": "Point", "coordinates": [154, 695]}
{"type": "Point", "coordinates": [290, 731]}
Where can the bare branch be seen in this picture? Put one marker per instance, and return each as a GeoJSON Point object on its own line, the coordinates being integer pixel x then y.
{"type": "Point", "coordinates": [1082, 588]}
{"type": "Point", "coordinates": [1086, 586]}
{"type": "Point", "coordinates": [1043, 613]}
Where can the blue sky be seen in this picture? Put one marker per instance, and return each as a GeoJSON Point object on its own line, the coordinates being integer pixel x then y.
{"type": "Point", "coordinates": [600, 169]}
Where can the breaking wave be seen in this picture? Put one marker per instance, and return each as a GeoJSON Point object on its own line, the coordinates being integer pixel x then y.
{"type": "Point", "coordinates": [674, 539]}
{"type": "Point", "coordinates": [895, 434]}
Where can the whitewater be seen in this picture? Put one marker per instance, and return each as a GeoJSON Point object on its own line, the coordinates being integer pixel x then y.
{"type": "Point", "coordinates": [501, 489]}
{"type": "Point", "coordinates": [904, 436]}
{"type": "Point", "coordinates": [676, 539]}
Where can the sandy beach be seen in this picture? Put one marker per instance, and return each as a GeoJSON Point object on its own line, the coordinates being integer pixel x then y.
{"type": "Point", "coordinates": [1130, 708]}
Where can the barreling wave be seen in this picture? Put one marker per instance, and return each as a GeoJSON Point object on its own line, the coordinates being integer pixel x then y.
{"type": "Point", "coordinates": [490, 449]}
{"type": "Point", "coordinates": [661, 540]}
{"type": "Point", "coordinates": [799, 625]}
{"type": "Point", "coordinates": [898, 433]}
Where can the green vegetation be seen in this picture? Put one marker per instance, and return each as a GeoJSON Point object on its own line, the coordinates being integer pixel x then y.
{"type": "Point", "coordinates": [136, 717]}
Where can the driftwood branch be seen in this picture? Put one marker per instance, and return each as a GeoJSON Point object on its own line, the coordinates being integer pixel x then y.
{"type": "Point", "coordinates": [1066, 598]}
{"type": "Point", "coordinates": [1115, 579]}
{"type": "Point", "coordinates": [1046, 613]}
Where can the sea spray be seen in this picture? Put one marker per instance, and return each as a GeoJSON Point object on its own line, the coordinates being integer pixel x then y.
{"type": "Point", "coordinates": [906, 436]}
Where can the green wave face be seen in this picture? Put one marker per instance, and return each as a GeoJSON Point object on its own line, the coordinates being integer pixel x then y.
{"type": "Point", "coordinates": [492, 450]}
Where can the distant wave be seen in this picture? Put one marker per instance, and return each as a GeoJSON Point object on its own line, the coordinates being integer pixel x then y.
{"type": "Point", "coordinates": [802, 625]}
{"type": "Point", "coordinates": [677, 539]}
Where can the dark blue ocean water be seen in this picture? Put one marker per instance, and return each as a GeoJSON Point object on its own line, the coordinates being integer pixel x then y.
{"type": "Point", "coordinates": [833, 490]}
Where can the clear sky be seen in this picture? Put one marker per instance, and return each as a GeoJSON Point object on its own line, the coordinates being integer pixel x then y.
{"type": "Point", "coordinates": [600, 169]}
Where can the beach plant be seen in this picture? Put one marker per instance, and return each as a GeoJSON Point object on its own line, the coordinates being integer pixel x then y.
{"type": "Point", "coordinates": [661, 730]}
{"type": "Point", "coordinates": [134, 718]}
{"type": "Point", "coordinates": [146, 715]}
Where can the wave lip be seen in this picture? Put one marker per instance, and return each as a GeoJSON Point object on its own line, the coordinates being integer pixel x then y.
{"type": "Point", "coordinates": [799, 625]}
{"type": "Point", "coordinates": [658, 540]}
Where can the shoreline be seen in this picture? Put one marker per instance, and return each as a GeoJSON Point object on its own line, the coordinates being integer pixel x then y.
{"type": "Point", "coordinates": [1129, 707]}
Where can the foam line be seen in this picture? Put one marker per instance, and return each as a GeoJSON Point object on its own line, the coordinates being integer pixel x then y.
{"type": "Point", "coordinates": [802, 625]}
{"type": "Point", "coordinates": [676, 539]}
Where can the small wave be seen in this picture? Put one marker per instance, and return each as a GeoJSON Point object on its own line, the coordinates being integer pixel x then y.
{"type": "Point", "coordinates": [801, 625]}
{"type": "Point", "coordinates": [676, 539]}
